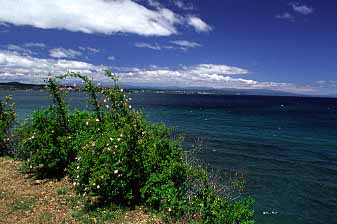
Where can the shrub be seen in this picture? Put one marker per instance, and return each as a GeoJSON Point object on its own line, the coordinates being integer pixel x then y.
{"type": "Point", "coordinates": [7, 117]}
{"type": "Point", "coordinates": [113, 155]}
{"type": "Point", "coordinates": [45, 140]}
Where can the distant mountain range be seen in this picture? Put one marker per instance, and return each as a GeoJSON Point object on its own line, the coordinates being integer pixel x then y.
{"type": "Point", "coordinates": [179, 90]}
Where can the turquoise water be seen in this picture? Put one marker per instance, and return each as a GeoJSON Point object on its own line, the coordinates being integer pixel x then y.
{"type": "Point", "coordinates": [285, 146]}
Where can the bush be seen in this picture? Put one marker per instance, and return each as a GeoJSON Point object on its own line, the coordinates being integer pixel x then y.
{"type": "Point", "coordinates": [7, 117]}
{"type": "Point", "coordinates": [113, 155]}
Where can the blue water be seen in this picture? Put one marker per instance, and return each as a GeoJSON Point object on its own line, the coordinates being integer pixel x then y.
{"type": "Point", "coordinates": [285, 146]}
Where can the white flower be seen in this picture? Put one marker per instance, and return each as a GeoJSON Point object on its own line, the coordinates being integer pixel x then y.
{"type": "Point", "coordinates": [111, 139]}
{"type": "Point", "coordinates": [122, 90]}
{"type": "Point", "coordinates": [33, 136]}
{"type": "Point", "coordinates": [116, 146]}
{"type": "Point", "coordinates": [118, 139]}
{"type": "Point", "coordinates": [87, 123]}
{"type": "Point", "coordinates": [74, 184]}
{"type": "Point", "coordinates": [78, 176]}
{"type": "Point", "coordinates": [97, 119]}
{"type": "Point", "coordinates": [170, 209]}
{"type": "Point", "coordinates": [104, 100]}
{"type": "Point", "coordinates": [78, 167]}
{"type": "Point", "coordinates": [93, 184]}
{"type": "Point", "coordinates": [107, 106]}
{"type": "Point", "coordinates": [116, 171]}
{"type": "Point", "coordinates": [121, 135]}
{"type": "Point", "coordinates": [130, 106]}
{"type": "Point", "coordinates": [98, 186]}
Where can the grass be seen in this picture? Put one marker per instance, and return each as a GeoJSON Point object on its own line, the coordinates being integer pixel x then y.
{"type": "Point", "coordinates": [25, 200]}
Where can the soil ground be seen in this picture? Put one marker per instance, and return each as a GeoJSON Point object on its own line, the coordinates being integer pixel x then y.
{"type": "Point", "coordinates": [25, 200]}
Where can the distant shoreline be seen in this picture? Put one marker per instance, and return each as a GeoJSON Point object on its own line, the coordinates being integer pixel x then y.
{"type": "Point", "coordinates": [14, 86]}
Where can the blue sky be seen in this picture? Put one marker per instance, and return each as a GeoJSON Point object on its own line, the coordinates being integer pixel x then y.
{"type": "Point", "coordinates": [279, 45]}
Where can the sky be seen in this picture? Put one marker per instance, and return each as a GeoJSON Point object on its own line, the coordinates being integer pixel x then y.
{"type": "Point", "coordinates": [278, 45]}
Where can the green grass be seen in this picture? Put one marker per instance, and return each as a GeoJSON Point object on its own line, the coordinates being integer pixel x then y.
{"type": "Point", "coordinates": [62, 191]}
{"type": "Point", "coordinates": [25, 204]}
{"type": "Point", "coordinates": [45, 217]}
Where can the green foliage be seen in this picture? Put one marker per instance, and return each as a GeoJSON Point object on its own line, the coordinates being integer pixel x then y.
{"type": "Point", "coordinates": [7, 117]}
{"type": "Point", "coordinates": [113, 155]}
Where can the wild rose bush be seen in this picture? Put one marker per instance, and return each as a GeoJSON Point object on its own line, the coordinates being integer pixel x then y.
{"type": "Point", "coordinates": [113, 155]}
{"type": "Point", "coordinates": [7, 117]}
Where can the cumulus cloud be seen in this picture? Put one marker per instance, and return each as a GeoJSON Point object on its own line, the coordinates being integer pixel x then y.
{"type": "Point", "coordinates": [96, 16]}
{"type": "Point", "coordinates": [285, 16]}
{"type": "Point", "coordinates": [198, 24]}
{"type": "Point", "coordinates": [25, 68]}
{"type": "Point", "coordinates": [64, 53]}
{"type": "Point", "coordinates": [202, 75]}
{"type": "Point", "coordinates": [111, 58]}
{"type": "Point", "coordinates": [302, 9]}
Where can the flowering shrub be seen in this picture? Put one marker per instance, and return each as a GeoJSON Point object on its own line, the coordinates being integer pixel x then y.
{"type": "Point", "coordinates": [113, 155]}
{"type": "Point", "coordinates": [7, 117]}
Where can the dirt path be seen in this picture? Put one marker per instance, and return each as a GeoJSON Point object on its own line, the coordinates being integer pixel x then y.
{"type": "Point", "coordinates": [24, 200]}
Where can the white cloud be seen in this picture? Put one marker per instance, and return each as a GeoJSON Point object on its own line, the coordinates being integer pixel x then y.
{"type": "Point", "coordinates": [154, 46]}
{"type": "Point", "coordinates": [64, 53]}
{"type": "Point", "coordinates": [285, 16]}
{"type": "Point", "coordinates": [25, 68]}
{"type": "Point", "coordinates": [202, 75]}
{"type": "Point", "coordinates": [96, 16]}
{"type": "Point", "coordinates": [90, 49]}
{"type": "Point", "coordinates": [19, 49]}
{"type": "Point", "coordinates": [35, 45]}
{"type": "Point", "coordinates": [185, 44]}
{"type": "Point", "coordinates": [154, 3]}
{"type": "Point", "coordinates": [303, 9]}
{"type": "Point", "coordinates": [183, 5]}
{"type": "Point", "coordinates": [198, 24]}
{"type": "Point", "coordinates": [176, 44]}
{"type": "Point", "coordinates": [111, 58]}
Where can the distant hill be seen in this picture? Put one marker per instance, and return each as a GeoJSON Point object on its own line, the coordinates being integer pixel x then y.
{"type": "Point", "coordinates": [196, 90]}
{"type": "Point", "coordinates": [20, 86]}
{"type": "Point", "coordinates": [177, 90]}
